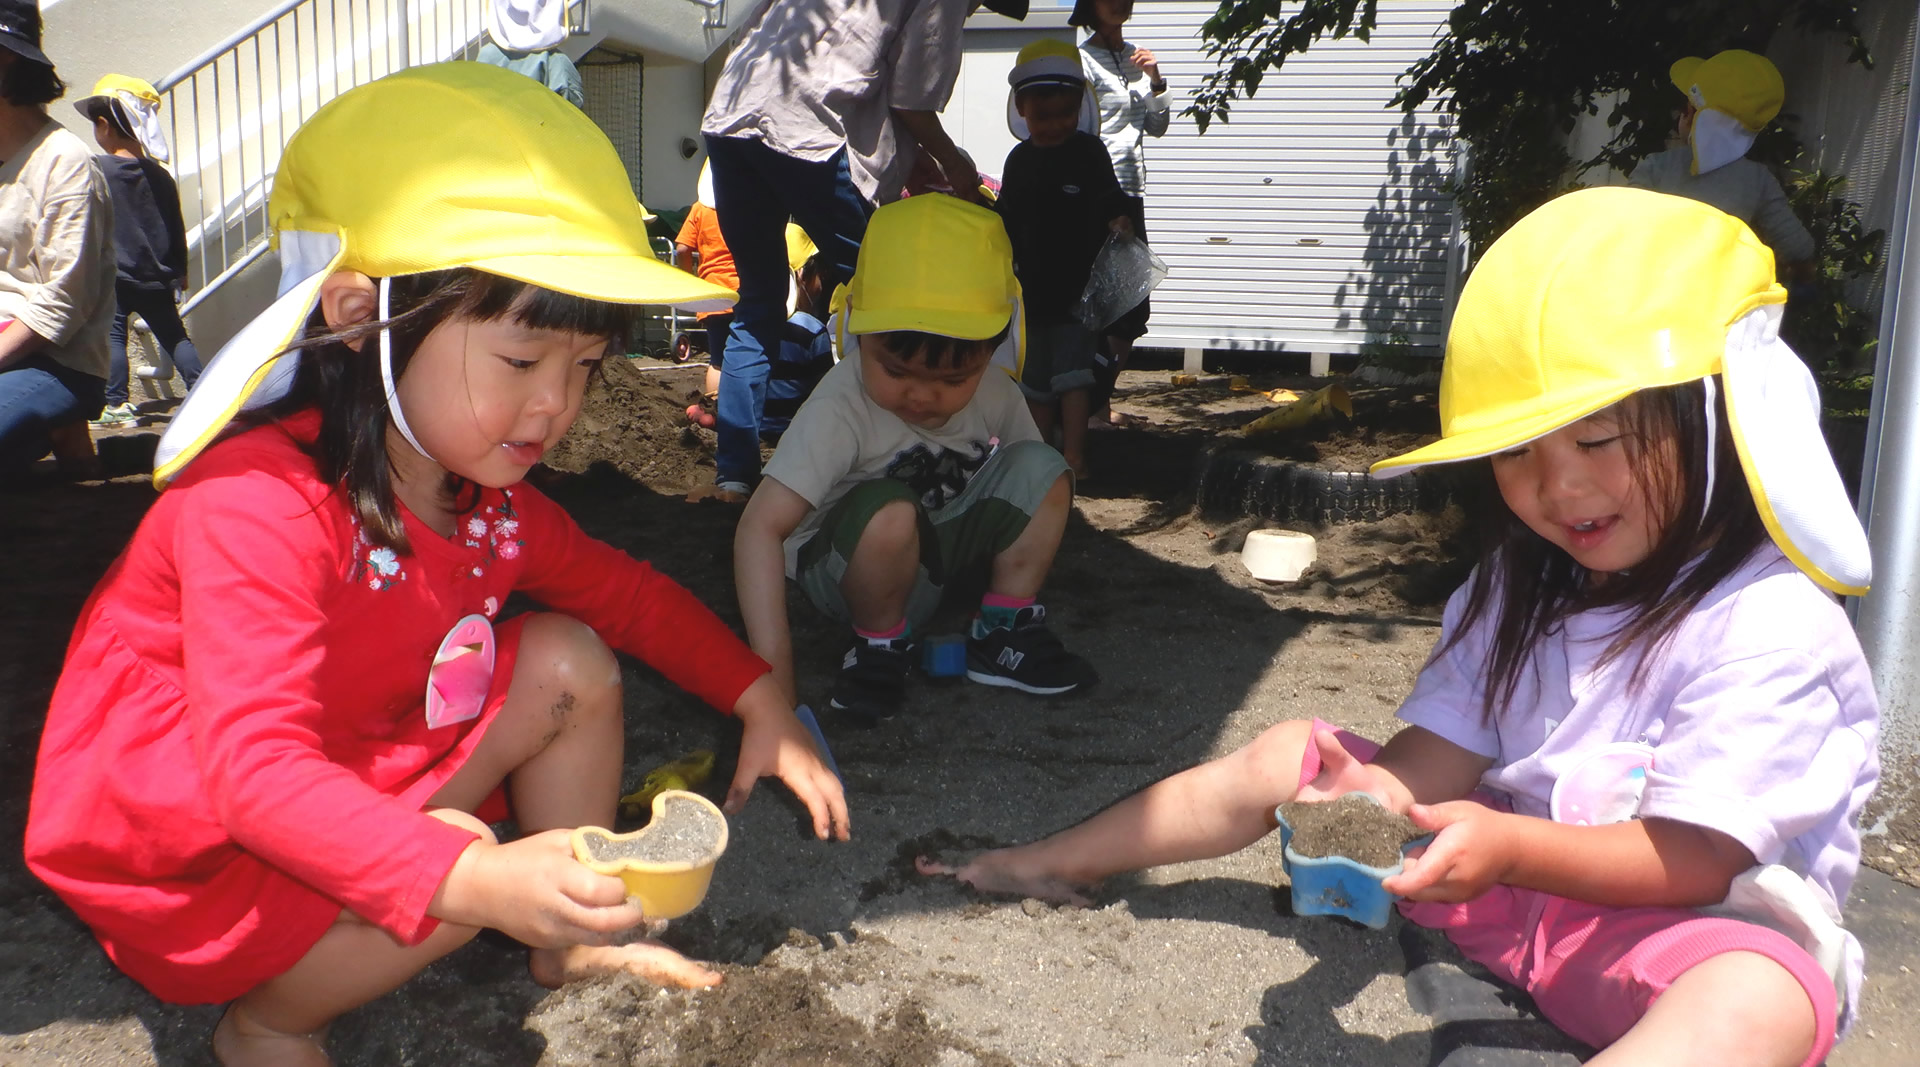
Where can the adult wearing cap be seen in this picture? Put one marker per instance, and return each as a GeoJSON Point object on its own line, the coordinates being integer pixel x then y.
{"type": "Point", "coordinates": [56, 257]}
{"type": "Point", "coordinates": [524, 37]}
{"type": "Point", "coordinates": [1130, 97]}
{"type": "Point", "coordinates": [816, 117]}
{"type": "Point", "coordinates": [1730, 99]}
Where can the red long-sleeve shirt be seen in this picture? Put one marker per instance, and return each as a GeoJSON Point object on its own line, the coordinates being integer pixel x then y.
{"type": "Point", "coordinates": [237, 747]}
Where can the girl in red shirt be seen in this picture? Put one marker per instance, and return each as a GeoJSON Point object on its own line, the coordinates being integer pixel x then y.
{"type": "Point", "coordinates": [286, 698]}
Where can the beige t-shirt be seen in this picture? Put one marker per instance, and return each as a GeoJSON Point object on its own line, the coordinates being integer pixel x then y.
{"type": "Point", "coordinates": [840, 438]}
{"type": "Point", "coordinates": [813, 75]}
{"type": "Point", "coordinates": [56, 248]}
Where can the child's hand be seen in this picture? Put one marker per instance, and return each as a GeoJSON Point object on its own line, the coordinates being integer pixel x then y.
{"type": "Point", "coordinates": [1467, 858]}
{"type": "Point", "coordinates": [1121, 224]}
{"type": "Point", "coordinates": [774, 743]}
{"type": "Point", "coordinates": [534, 891]}
{"type": "Point", "coordinates": [1341, 773]}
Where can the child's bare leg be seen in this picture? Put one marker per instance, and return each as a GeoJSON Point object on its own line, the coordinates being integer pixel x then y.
{"type": "Point", "coordinates": [1074, 406]}
{"type": "Point", "coordinates": [1738, 1007]}
{"type": "Point", "coordinates": [1211, 810]}
{"type": "Point", "coordinates": [1021, 567]}
{"type": "Point", "coordinates": [881, 574]}
{"type": "Point", "coordinates": [558, 742]}
{"type": "Point", "coordinates": [283, 1021]}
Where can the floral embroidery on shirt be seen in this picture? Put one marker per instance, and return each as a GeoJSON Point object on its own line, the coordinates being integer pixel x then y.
{"type": "Point", "coordinates": [496, 528]}
{"type": "Point", "coordinates": [378, 566]}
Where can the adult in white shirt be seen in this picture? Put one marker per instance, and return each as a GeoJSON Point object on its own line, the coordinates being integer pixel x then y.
{"type": "Point", "coordinates": [815, 117]}
{"type": "Point", "coordinates": [1131, 97]}
{"type": "Point", "coordinates": [56, 260]}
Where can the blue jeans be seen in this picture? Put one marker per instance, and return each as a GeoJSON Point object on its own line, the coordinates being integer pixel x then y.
{"type": "Point", "coordinates": [755, 190]}
{"type": "Point", "coordinates": [37, 395]}
{"type": "Point", "coordinates": [155, 308]}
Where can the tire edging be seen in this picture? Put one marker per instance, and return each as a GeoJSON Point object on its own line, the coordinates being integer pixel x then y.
{"type": "Point", "coordinates": [1233, 482]}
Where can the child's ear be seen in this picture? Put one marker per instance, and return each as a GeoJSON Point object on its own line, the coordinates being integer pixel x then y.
{"type": "Point", "coordinates": [348, 298]}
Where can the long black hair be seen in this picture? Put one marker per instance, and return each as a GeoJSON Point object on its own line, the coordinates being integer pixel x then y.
{"type": "Point", "coordinates": [1529, 586]}
{"type": "Point", "coordinates": [346, 387]}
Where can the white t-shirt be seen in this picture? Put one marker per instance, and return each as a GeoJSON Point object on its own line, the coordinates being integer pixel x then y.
{"type": "Point", "coordinates": [1743, 188]}
{"type": "Point", "coordinates": [1130, 111]}
{"type": "Point", "coordinates": [813, 75]}
{"type": "Point", "coordinates": [840, 438]}
{"type": "Point", "coordinates": [1760, 712]}
{"type": "Point", "coordinates": [56, 248]}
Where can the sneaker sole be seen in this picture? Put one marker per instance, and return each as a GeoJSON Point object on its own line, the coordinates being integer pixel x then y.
{"type": "Point", "coordinates": [876, 716]}
{"type": "Point", "coordinates": [1008, 683]}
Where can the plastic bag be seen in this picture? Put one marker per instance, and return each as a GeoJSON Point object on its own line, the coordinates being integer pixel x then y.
{"type": "Point", "coordinates": [1124, 272]}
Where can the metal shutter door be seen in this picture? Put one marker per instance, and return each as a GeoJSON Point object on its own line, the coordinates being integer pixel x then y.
{"type": "Point", "coordinates": [1317, 219]}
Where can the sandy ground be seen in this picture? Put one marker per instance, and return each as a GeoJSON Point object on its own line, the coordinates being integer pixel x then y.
{"type": "Point", "coordinates": [838, 954]}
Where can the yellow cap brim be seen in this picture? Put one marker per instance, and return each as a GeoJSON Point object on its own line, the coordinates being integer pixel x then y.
{"type": "Point", "coordinates": [1498, 438]}
{"type": "Point", "coordinates": [966, 325]}
{"type": "Point", "coordinates": [612, 279]}
{"type": "Point", "coordinates": [1683, 71]}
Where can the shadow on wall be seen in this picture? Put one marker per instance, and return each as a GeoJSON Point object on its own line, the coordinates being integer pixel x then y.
{"type": "Point", "coordinates": [1399, 300]}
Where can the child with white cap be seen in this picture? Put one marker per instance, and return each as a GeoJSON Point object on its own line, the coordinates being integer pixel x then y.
{"type": "Point", "coordinates": [287, 700]}
{"type": "Point", "coordinates": [1646, 700]}
{"type": "Point", "coordinates": [1730, 99]}
{"type": "Point", "coordinates": [1059, 199]}
{"type": "Point", "coordinates": [914, 467]}
{"type": "Point", "coordinates": [149, 236]}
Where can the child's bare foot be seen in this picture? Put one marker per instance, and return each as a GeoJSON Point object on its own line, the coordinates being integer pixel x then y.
{"type": "Point", "coordinates": [242, 1041]}
{"type": "Point", "coordinates": [722, 494]}
{"type": "Point", "coordinates": [1006, 870]}
{"type": "Point", "coordinates": [650, 960]}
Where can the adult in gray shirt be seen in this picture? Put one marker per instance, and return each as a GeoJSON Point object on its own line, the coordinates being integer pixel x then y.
{"type": "Point", "coordinates": [816, 117]}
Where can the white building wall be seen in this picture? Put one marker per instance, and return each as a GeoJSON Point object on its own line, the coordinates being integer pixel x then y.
{"type": "Point", "coordinates": [1316, 220]}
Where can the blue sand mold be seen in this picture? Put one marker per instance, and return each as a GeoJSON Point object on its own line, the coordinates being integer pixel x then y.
{"type": "Point", "coordinates": [805, 715]}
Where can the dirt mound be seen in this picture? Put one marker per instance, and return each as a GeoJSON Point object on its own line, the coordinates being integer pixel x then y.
{"type": "Point", "coordinates": [635, 420]}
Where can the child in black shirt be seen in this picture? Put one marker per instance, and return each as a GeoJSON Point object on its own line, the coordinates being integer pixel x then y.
{"type": "Point", "coordinates": [1058, 199]}
{"type": "Point", "coordinates": [149, 236]}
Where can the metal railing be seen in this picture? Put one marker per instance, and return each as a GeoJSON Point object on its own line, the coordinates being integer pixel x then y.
{"type": "Point", "coordinates": [231, 110]}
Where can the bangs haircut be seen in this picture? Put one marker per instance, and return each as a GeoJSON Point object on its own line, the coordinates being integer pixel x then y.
{"type": "Point", "coordinates": [346, 386]}
{"type": "Point", "coordinates": [1530, 586]}
{"type": "Point", "coordinates": [1047, 92]}
{"type": "Point", "coordinates": [937, 350]}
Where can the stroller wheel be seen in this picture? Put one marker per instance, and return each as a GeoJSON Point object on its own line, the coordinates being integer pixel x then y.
{"type": "Point", "coordinates": [682, 347]}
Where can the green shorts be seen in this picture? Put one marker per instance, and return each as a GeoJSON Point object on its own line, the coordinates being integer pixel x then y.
{"type": "Point", "coordinates": [957, 540]}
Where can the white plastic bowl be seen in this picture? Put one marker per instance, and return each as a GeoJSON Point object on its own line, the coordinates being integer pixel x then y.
{"type": "Point", "coordinates": [1278, 555]}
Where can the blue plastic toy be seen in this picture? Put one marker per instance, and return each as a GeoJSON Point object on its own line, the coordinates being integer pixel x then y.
{"type": "Point", "coordinates": [944, 656]}
{"type": "Point", "coordinates": [805, 715]}
{"type": "Point", "coordinates": [1336, 885]}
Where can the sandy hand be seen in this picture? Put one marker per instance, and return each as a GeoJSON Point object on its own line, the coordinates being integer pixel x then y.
{"type": "Point", "coordinates": [648, 960]}
{"type": "Point", "coordinates": [1005, 871]}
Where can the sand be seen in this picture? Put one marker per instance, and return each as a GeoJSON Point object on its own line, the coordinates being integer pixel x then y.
{"type": "Point", "coordinates": [1351, 826]}
{"type": "Point", "coordinates": [684, 832]}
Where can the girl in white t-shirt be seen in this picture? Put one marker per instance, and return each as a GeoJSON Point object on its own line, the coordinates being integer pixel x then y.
{"type": "Point", "coordinates": [1643, 703]}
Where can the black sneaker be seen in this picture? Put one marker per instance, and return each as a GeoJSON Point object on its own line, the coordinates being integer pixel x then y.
{"type": "Point", "coordinates": [1027, 657]}
{"type": "Point", "coordinates": [873, 678]}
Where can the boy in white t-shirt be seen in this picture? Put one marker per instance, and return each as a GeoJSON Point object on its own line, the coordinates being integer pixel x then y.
{"type": "Point", "coordinates": [913, 465]}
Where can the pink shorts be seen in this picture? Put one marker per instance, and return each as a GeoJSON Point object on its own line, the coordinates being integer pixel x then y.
{"type": "Point", "coordinates": [1595, 970]}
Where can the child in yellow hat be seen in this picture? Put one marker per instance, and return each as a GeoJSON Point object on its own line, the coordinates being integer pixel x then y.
{"type": "Point", "coordinates": [287, 702]}
{"type": "Point", "coordinates": [149, 236]}
{"type": "Point", "coordinates": [1645, 702]}
{"type": "Point", "coordinates": [914, 464]}
{"type": "Point", "coordinates": [1059, 199]}
{"type": "Point", "coordinates": [1730, 98]}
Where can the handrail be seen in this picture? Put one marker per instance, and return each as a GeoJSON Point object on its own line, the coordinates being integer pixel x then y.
{"type": "Point", "coordinates": [232, 41]}
{"type": "Point", "coordinates": [232, 109]}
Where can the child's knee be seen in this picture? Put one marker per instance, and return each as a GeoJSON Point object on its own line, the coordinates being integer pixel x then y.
{"type": "Point", "coordinates": [572, 659]}
{"type": "Point", "coordinates": [895, 527]}
{"type": "Point", "coordinates": [1761, 998]}
{"type": "Point", "coordinates": [1273, 758]}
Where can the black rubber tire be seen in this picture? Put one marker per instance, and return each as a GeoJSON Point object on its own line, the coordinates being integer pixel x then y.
{"type": "Point", "coordinates": [1235, 482]}
{"type": "Point", "coordinates": [682, 347]}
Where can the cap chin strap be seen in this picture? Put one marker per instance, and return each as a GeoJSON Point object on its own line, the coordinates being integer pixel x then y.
{"type": "Point", "coordinates": [1713, 431]}
{"type": "Point", "coordinates": [386, 370]}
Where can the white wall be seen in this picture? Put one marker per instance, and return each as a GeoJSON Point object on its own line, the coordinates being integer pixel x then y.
{"type": "Point", "coordinates": [976, 117]}
{"type": "Point", "coordinates": [145, 38]}
{"type": "Point", "coordinates": [670, 108]}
